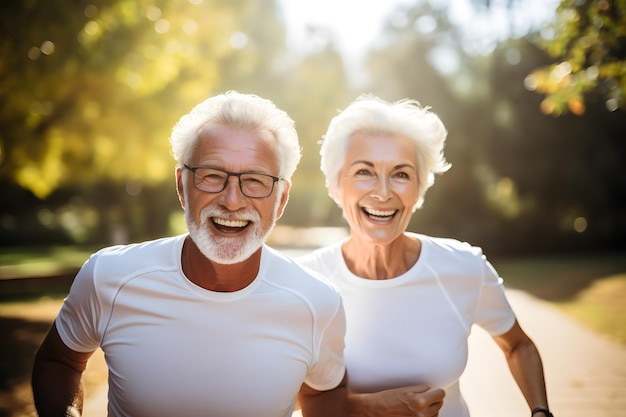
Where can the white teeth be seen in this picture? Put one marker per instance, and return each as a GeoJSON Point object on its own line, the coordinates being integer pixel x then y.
{"type": "Point", "coordinates": [230, 223]}
{"type": "Point", "coordinates": [380, 213]}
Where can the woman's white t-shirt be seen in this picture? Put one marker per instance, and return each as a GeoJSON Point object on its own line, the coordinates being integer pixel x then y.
{"type": "Point", "coordinates": [413, 329]}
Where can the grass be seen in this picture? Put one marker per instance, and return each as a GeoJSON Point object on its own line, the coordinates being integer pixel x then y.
{"type": "Point", "coordinates": [602, 306]}
{"type": "Point", "coordinates": [591, 288]}
{"type": "Point", "coordinates": [41, 261]}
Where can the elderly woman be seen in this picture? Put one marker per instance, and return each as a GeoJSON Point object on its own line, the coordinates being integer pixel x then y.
{"type": "Point", "coordinates": [410, 299]}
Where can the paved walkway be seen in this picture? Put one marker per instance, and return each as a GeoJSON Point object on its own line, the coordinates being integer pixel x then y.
{"type": "Point", "coordinates": [585, 373]}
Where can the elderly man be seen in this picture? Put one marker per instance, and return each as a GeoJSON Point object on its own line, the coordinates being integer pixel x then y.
{"type": "Point", "coordinates": [213, 322]}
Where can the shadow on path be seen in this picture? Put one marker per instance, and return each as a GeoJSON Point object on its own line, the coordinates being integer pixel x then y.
{"type": "Point", "coordinates": [20, 340]}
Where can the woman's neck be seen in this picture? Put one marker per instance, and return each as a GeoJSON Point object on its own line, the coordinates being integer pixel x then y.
{"type": "Point", "coordinates": [381, 261]}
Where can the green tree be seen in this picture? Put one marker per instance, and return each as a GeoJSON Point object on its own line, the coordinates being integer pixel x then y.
{"type": "Point", "coordinates": [520, 182]}
{"type": "Point", "coordinates": [314, 91]}
{"type": "Point", "coordinates": [588, 41]}
{"type": "Point", "coordinates": [91, 88]}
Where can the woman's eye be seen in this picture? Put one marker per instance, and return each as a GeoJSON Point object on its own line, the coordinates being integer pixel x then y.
{"type": "Point", "coordinates": [402, 175]}
{"type": "Point", "coordinates": [362, 172]}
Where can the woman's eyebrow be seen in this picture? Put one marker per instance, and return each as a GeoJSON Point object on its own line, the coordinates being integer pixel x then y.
{"type": "Point", "coordinates": [404, 166]}
{"type": "Point", "coordinates": [368, 163]}
{"type": "Point", "coordinates": [371, 164]}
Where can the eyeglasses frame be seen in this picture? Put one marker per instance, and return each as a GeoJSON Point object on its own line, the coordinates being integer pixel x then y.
{"type": "Point", "coordinates": [229, 174]}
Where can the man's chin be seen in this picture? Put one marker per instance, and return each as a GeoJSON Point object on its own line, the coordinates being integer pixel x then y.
{"type": "Point", "coordinates": [227, 251]}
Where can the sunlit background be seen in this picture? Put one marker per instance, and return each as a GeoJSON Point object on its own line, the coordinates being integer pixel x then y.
{"type": "Point", "coordinates": [532, 93]}
{"type": "Point", "coordinates": [91, 90]}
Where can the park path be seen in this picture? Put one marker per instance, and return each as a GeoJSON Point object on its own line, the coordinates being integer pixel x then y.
{"type": "Point", "coordinates": [585, 372]}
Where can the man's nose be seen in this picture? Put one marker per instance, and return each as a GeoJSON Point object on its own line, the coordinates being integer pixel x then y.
{"type": "Point", "coordinates": [232, 196]}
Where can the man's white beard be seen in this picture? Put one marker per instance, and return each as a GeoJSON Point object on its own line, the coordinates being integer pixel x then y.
{"type": "Point", "coordinates": [228, 250]}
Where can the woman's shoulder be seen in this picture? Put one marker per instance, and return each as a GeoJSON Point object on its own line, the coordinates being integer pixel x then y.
{"type": "Point", "coordinates": [449, 245]}
{"type": "Point", "coordinates": [321, 259]}
{"type": "Point", "coordinates": [322, 252]}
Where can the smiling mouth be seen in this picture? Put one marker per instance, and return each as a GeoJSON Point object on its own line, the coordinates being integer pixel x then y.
{"type": "Point", "coordinates": [229, 225]}
{"type": "Point", "coordinates": [381, 215]}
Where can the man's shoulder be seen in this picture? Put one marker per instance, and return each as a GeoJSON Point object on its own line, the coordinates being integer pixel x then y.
{"type": "Point", "coordinates": [137, 256]}
{"type": "Point", "coordinates": [164, 243]}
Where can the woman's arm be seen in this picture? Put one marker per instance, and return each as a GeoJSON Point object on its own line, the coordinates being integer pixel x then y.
{"type": "Point", "coordinates": [525, 365]}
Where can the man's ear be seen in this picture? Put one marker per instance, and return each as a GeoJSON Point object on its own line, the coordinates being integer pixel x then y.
{"type": "Point", "coordinates": [283, 200]}
{"type": "Point", "coordinates": [179, 187]}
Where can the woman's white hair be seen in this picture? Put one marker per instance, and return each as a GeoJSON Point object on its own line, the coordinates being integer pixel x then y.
{"type": "Point", "coordinates": [246, 111]}
{"type": "Point", "coordinates": [369, 114]}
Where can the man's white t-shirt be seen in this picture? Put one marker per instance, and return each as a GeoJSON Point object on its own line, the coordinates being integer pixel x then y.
{"type": "Point", "coordinates": [413, 329]}
{"type": "Point", "coordinates": [176, 349]}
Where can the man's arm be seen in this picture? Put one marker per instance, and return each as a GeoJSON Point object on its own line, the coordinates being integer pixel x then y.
{"type": "Point", "coordinates": [56, 378]}
{"type": "Point", "coordinates": [416, 400]}
{"type": "Point", "coordinates": [331, 403]}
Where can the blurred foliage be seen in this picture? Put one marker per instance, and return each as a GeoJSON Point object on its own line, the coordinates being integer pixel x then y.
{"type": "Point", "coordinates": [588, 40]}
{"type": "Point", "coordinates": [520, 182]}
{"type": "Point", "coordinates": [91, 89]}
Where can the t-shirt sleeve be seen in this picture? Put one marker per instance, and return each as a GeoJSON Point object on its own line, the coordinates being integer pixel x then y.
{"type": "Point", "coordinates": [494, 313]}
{"type": "Point", "coordinates": [329, 369]}
{"type": "Point", "coordinates": [77, 321]}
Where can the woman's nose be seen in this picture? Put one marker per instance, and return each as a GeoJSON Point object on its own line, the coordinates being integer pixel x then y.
{"type": "Point", "coordinates": [382, 189]}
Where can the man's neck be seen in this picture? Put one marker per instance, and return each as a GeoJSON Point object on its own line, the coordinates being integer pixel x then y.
{"type": "Point", "coordinates": [218, 277]}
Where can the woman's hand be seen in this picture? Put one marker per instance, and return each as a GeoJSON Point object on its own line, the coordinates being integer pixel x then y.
{"type": "Point", "coordinates": [415, 400]}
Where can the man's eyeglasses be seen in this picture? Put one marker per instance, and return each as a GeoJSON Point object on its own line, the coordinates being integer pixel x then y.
{"type": "Point", "coordinates": [213, 180]}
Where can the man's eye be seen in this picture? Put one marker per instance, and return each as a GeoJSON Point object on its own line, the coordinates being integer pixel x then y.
{"type": "Point", "coordinates": [252, 180]}
{"type": "Point", "coordinates": [213, 177]}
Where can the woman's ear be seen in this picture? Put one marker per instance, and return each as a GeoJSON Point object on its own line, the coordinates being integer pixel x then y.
{"type": "Point", "coordinates": [335, 194]}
